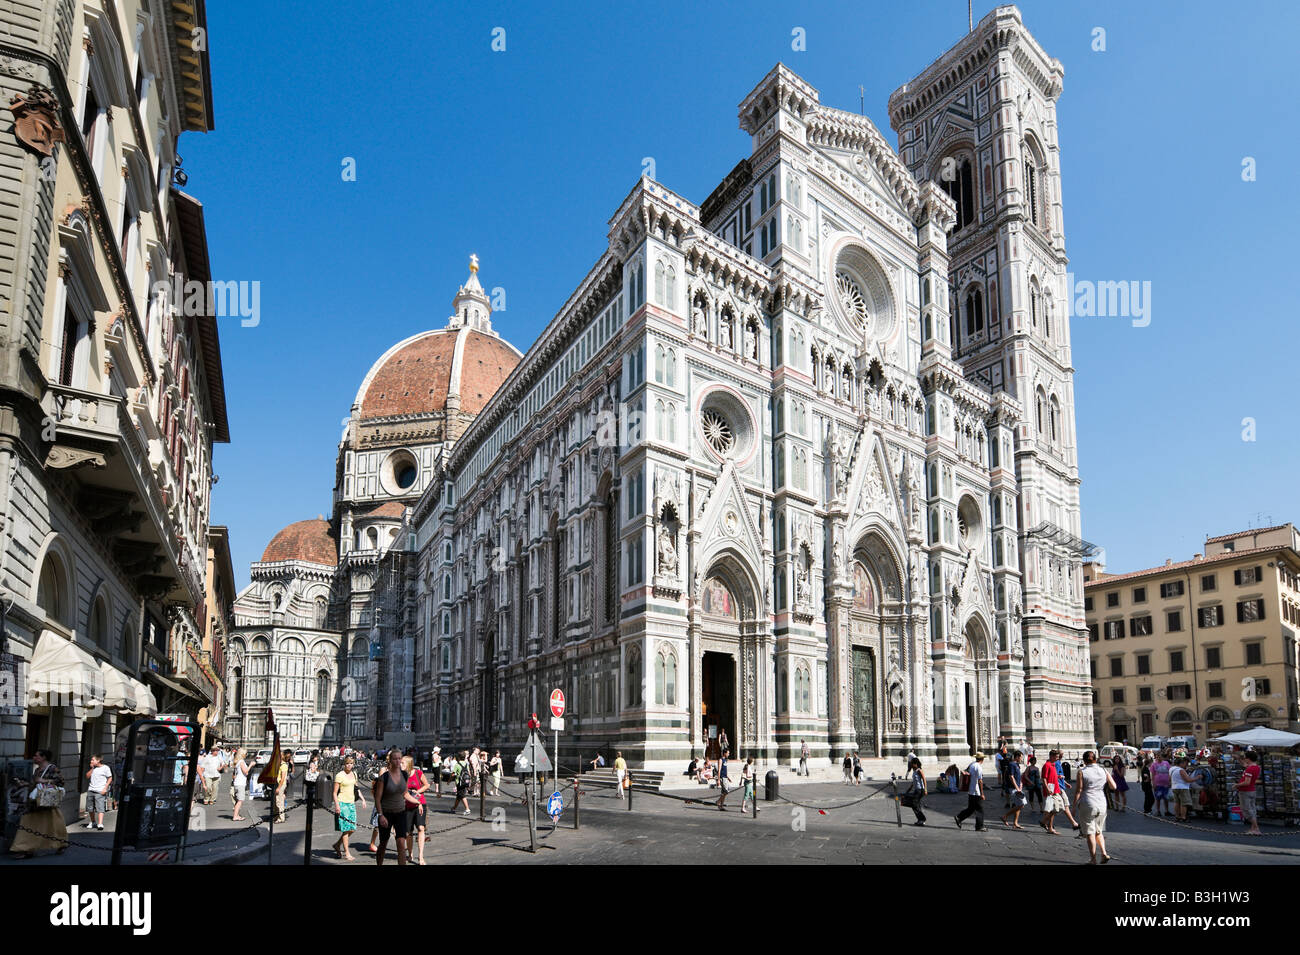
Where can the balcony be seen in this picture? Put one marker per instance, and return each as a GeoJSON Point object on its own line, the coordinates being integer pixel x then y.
{"type": "Point", "coordinates": [121, 493]}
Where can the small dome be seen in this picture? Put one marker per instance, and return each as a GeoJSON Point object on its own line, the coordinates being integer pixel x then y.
{"type": "Point", "coordinates": [304, 540]}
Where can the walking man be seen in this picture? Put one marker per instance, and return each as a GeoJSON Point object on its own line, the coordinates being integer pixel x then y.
{"type": "Point", "coordinates": [803, 757]}
{"type": "Point", "coordinates": [1250, 774]}
{"type": "Point", "coordinates": [211, 770]}
{"type": "Point", "coordinates": [722, 781]}
{"type": "Point", "coordinates": [101, 778]}
{"type": "Point", "coordinates": [1014, 783]}
{"type": "Point", "coordinates": [974, 795]}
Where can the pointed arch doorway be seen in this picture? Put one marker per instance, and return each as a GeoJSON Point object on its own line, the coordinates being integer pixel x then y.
{"type": "Point", "coordinates": [727, 633]}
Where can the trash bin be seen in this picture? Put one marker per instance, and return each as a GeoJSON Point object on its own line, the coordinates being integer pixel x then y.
{"type": "Point", "coordinates": [773, 785]}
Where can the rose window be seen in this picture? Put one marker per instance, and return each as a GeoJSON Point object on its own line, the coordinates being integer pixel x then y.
{"type": "Point", "coordinates": [851, 298]}
{"type": "Point", "coordinates": [717, 431]}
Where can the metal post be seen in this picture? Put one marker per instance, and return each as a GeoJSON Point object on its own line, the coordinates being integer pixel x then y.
{"type": "Point", "coordinates": [482, 796]}
{"type": "Point", "coordinates": [627, 777]}
{"type": "Point", "coordinates": [309, 787]}
{"type": "Point", "coordinates": [532, 795]}
{"type": "Point", "coordinates": [576, 793]}
{"type": "Point", "coordinates": [753, 782]}
{"type": "Point", "coordinates": [270, 834]}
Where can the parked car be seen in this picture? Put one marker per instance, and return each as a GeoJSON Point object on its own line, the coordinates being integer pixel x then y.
{"type": "Point", "coordinates": [301, 757]}
{"type": "Point", "coordinates": [1111, 750]}
{"type": "Point", "coordinates": [263, 757]}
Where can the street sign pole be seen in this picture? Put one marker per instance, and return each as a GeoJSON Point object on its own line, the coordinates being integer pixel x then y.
{"type": "Point", "coordinates": [532, 798]}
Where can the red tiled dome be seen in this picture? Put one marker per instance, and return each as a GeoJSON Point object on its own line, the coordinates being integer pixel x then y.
{"type": "Point", "coordinates": [416, 376]}
{"type": "Point", "coordinates": [304, 540]}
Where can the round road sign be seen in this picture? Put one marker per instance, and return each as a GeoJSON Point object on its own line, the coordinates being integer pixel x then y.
{"type": "Point", "coordinates": [557, 702]}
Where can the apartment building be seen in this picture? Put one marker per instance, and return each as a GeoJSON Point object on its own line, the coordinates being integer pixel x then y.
{"type": "Point", "coordinates": [1201, 645]}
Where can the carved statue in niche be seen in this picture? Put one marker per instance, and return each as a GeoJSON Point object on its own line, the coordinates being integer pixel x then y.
{"type": "Point", "coordinates": [802, 583]}
{"type": "Point", "coordinates": [667, 552]}
{"type": "Point", "coordinates": [915, 572]}
{"type": "Point", "coordinates": [751, 342]}
{"type": "Point", "coordinates": [724, 331]}
{"type": "Point", "coordinates": [698, 321]}
{"type": "Point", "coordinates": [914, 500]}
{"type": "Point", "coordinates": [894, 682]}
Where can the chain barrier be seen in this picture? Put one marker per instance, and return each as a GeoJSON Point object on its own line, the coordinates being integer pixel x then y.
{"type": "Point", "coordinates": [1217, 832]}
{"type": "Point", "coordinates": [855, 802]}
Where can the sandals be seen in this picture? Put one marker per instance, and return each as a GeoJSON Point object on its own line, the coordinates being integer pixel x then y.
{"type": "Point", "coordinates": [1105, 859]}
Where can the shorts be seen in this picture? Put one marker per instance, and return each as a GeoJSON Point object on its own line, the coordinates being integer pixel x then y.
{"type": "Point", "coordinates": [96, 802]}
{"type": "Point", "coordinates": [241, 792]}
{"type": "Point", "coordinates": [1247, 803]}
{"type": "Point", "coordinates": [1092, 820]}
{"type": "Point", "coordinates": [1160, 792]}
{"type": "Point", "coordinates": [1183, 797]}
{"type": "Point", "coordinates": [415, 817]}
{"type": "Point", "coordinates": [398, 825]}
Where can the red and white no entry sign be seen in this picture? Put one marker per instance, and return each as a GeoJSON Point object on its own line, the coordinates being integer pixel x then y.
{"type": "Point", "coordinates": [557, 702]}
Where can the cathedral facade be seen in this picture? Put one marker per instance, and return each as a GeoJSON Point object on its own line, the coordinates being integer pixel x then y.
{"type": "Point", "coordinates": [793, 464]}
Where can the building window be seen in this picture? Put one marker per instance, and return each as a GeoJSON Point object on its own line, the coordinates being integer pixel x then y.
{"type": "Point", "coordinates": [1262, 686]}
{"type": "Point", "coordinates": [1144, 696]}
{"type": "Point", "coordinates": [1172, 589]}
{"type": "Point", "coordinates": [1139, 595]}
{"type": "Point", "coordinates": [1114, 629]}
{"type": "Point", "coordinates": [1247, 575]}
{"type": "Point", "coordinates": [1179, 691]}
{"type": "Point", "coordinates": [1174, 621]}
{"type": "Point", "coordinates": [1087, 601]}
{"type": "Point", "coordinates": [1117, 695]}
{"type": "Point", "coordinates": [1092, 632]}
{"type": "Point", "coordinates": [1249, 611]}
{"type": "Point", "coordinates": [1112, 599]}
{"type": "Point", "coordinates": [1213, 658]}
{"type": "Point", "coordinates": [1210, 616]}
{"type": "Point", "coordinates": [633, 694]}
{"type": "Point", "coordinates": [322, 692]}
{"type": "Point", "coordinates": [1144, 663]}
{"type": "Point", "coordinates": [1116, 666]}
{"type": "Point", "coordinates": [1140, 626]}
{"type": "Point", "coordinates": [1254, 654]}
{"type": "Point", "coordinates": [1208, 582]}
{"type": "Point", "coordinates": [1214, 690]}
{"type": "Point", "coordinates": [1175, 661]}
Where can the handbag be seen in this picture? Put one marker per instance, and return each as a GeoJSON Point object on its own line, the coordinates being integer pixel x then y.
{"type": "Point", "coordinates": [47, 795]}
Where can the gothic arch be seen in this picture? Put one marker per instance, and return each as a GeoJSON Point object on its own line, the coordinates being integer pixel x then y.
{"type": "Point", "coordinates": [736, 571]}
{"type": "Point", "coordinates": [879, 549]}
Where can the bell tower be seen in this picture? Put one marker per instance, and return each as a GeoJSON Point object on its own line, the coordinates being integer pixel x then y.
{"type": "Point", "coordinates": [981, 122]}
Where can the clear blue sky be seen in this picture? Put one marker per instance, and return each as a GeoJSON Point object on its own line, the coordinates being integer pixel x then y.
{"type": "Point", "coordinates": [522, 156]}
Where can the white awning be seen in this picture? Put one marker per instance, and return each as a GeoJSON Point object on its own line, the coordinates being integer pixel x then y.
{"type": "Point", "coordinates": [145, 703]}
{"type": "Point", "coordinates": [1259, 736]}
{"type": "Point", "coordinates": [120, 691]}
{"type": "Point", "coordinates": [63, 674]}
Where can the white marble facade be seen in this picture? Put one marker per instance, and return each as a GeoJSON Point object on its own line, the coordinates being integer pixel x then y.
{"type": "Point", "coordinates": [797, 463]}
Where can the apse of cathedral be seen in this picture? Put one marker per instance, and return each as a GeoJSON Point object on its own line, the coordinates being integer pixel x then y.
{"type": "Point", "coordinates": [796, 463]}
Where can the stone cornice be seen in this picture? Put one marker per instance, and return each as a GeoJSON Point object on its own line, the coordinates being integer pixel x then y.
{"type": "Point", "coordinates": [838, 129]}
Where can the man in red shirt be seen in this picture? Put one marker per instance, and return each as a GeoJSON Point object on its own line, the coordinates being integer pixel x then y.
{"type": "Point", "coordinates": [1053, 800]}
{"type": "Point", "coordinates": [1246, 791]}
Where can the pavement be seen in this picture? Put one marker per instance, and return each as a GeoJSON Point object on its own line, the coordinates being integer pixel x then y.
{"type": "Point", "coordinates": [817, 823]}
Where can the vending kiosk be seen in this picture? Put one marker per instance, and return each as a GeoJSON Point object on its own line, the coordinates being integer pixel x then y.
{"type": "Point", "coordinates": [157, 761]}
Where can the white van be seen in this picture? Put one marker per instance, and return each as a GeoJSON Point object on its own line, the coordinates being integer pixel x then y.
{"type": "Point", "coordinates": [1153, 744]}
{"type": "Point", "coordinates": [1108, 753]}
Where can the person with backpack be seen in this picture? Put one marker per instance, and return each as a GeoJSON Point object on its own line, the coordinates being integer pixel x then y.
{"type": "Point", "coordinates": [1032, 781]}
{"type": "Point", "coordinates": [914, 798]}
{"type": "Point", "coordinates": [973, 785]}
{"type": "Point", "coordinates": [1015, 788]}
{"type": "Point", "coordinates": [463, 770]}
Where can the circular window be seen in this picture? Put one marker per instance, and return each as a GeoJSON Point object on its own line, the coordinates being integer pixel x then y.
{"type": "Point", "coordinates": [969, 524]}
{"type": "Point", "coordinates": [726, 424]}
{"type": "Point", "coordinates": [861, 297]}
{"type": "Point", "coordinates": [717, 431]}
{"type": "Point", "coordinates": [400, 472]}
{"type": "Point", "coordinates": [851, 297]}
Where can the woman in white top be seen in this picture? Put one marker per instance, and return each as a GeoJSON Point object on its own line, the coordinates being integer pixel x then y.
{"type": "Point", "coordinates": [239, 791]}
{"type": "Point", "coordinates": [435, 770]}
{"type": "Point", "coordinates": [1090, 805]}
